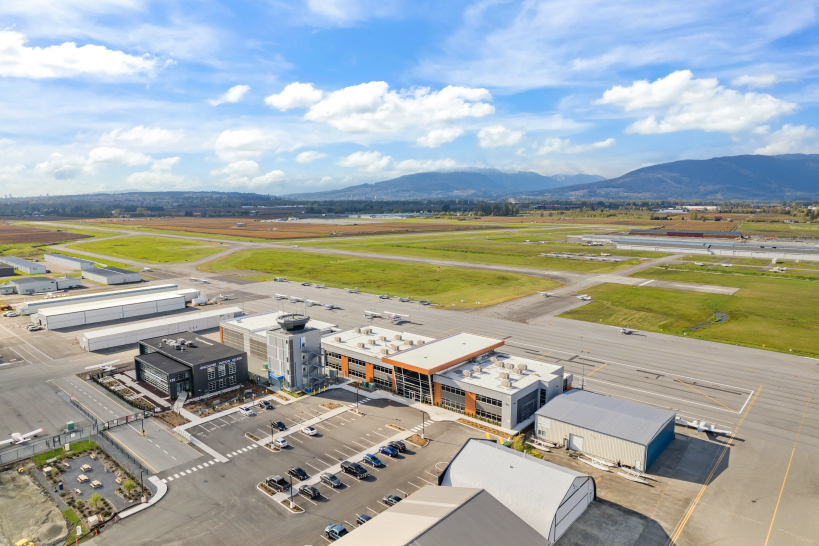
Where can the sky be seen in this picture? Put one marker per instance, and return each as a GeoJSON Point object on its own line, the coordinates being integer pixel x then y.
{"type": "Point", "coordinates": [280, 97]}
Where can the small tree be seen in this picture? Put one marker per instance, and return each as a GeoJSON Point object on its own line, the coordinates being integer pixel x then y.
{"type": "Point", "coordinates": [128, 486]}
{"type": "Point", "coordinates": [95, 499]}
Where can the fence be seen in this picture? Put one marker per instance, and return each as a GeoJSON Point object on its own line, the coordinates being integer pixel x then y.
{"type": "Point", "coordinates": [32, 448]}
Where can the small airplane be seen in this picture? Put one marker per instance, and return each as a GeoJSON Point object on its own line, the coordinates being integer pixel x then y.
{"type": "Point", "coordinates": [702, 426]}
{"type": "Point", "coordinates": [384, 296]}
{"type": "Point", "coordinates": [604, 254]}
{"type": "Point", "coordinates": [295, 299]}
{"type": "Point", "coordinates": [352, 290]}
{"type": "Point", "coordinates": [221, 297]}
{"type": "Point", "coordinates": [280, 296]}
{"type": "Point", "coordinates": [698, 263]}
{"type": "Point", "coordinates": [319, 285]}
{"type": "Point", "coordinates": [194, 279]}
{"type": "Point", "coordinates": [395, 318]}
{"type": "Point", "coordinates": [626, 330]}
{"type": "Point", "coordinates": [311, 303]}
{"type": "Point", "coordinates": [146, 269]}
{"type": "Point", "coordinates": [584, 297]}
{"type": "Point", "coordinates": [372, 314]}
{"type": "Point", "coordinates": [306, 283]}
{"type": "Point", "coordinates": [408, 298]}
{"type": "Point", "coordinates": [330, 306]}
{"type": "Point", "coordinates": [547, 294]}
{"type": "Point", "coordinates": [18, 438]}
{"type": "Point", "coordinates": [280, 279]}
{"type": "Point", "coordinates": [424, 302]}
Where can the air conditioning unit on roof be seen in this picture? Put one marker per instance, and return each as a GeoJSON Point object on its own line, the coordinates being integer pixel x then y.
{"type": "Point", "coordinates": [476, 369]}
{"type": "Point", "coordinates": [337, 339]}
{"type": "Point", "coordinates": [467, 373]}
{"type": "Point", "coordinates": [382, 338]}
{"type": "Point", "coordinates": [360, 345]}
{"type": "Point", "coordinates": [398, 337]}
{"type": "Point", "coordinates": [371, 341]}
{"type": "Point", "coordinates": [506, 383]}
{"type": "Point", "coordinates": [385, 351]}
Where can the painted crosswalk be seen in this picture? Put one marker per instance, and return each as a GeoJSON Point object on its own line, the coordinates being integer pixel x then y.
{"type": "Point", "coordinates": [202, 466]}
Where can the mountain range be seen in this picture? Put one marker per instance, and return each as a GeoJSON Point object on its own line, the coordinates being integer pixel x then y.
{"type": "Point", "coordinates": [743, 177]}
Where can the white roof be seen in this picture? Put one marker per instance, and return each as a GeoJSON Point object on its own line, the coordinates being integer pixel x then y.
{"type": "Point", "coordinates": [444, 353]}
{"type": "Point", "coordinates": [104, 304]}
{"type": "Point", "coordinates": [106, 294]}
{"type": "Point", "coordinates": [176, 319]}
{"type": "Point", "coordinates": [264, 322]}
{"type": "Point", "coordinates": [489, 377]}
{"type": "Point", "coordinates": [350, 339]}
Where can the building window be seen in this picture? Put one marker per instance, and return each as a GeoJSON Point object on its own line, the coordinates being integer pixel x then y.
{"type": "Point", "coordinates": [232, 380]}
{"type": "Point", "coordinates": [382, 383]}
{"type": "Point", "coordinates": [334, 355]}
{"type": "Point", "coordinates": [487, 400]}
{"type": "Point", "coordinates": [211, 386]}
{"type": "Point", "coordinates": [490, 417]}
{"type": "Point", "coordinates": [356, 373]}
{"type": "Point", "coordinates": [356, 361]}
{"type": "Point", "coordinates": [211, 374]}
{"type": "Point", "coordinates": [451, 404]}
{"type": "Point", "coordinates": [382, 369]}
{"type": "Point", "coordinates": [222, 383]}
{"type": "Point", "coordinates": [181, 376]}
{"type": "Point", "coordinates": [232, 367]}
{"type": "Point", "coordinates": [334, 365]}
{"type": "Point", "coordinates": [221, 370]}
{"type": "Point", "coordinates": [453, 390]}
{"type": "Point", "coordinates": [543, 394]}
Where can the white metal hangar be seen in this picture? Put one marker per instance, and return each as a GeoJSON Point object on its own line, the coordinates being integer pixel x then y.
{"type": "Point", "coordinates": [32, 306]}
{"type": "Point", "coordinates": [116, 336]}
{"type": "Point", "coordinates": [23, 266]}
{"type": "Point", "coordinates": [111, 275]}
{"type": "Point", "coordinates": [548, 497]}
{"type": "Point", "coordinates": [38, 285]}
{"type": "Point", "coordinates": [89, 313]}
{"type": "Point", "coordinates": [69, 261]}
{"type": "Point", "coordinates": [609, 428]}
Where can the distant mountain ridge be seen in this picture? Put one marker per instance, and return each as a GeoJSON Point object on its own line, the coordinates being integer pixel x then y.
{"type": "Point", "coordinates": [467, 183]}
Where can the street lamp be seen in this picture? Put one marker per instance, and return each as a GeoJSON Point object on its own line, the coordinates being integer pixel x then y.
{"type": "Point", "coordinates": [423, 418]}
{"type": "Point", "coordinates": [142, 481]}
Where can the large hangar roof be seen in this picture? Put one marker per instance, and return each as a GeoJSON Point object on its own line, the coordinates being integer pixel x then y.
{"type": "Point", "coordinates": [443, 353]}
{"type": "Point", "coordinates": [619, 418]}
{"type": "Point", "coordinates": [104, 304]}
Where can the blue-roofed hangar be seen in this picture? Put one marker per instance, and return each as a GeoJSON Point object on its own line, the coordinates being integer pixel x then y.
{"type": "Point", "coordinates": [611, 429]}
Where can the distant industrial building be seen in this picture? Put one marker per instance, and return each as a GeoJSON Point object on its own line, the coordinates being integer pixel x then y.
{"type": "Point", "coordinates": [127, 334]}
{"type": "Point", "coordinates": [38, 285]}
{"type": "Point", "coordinates": [547, 497]}
{"type": "Point", "coordinates": [100, 311]}
{"type": "Point", "coordinates": [609, 428]}
{"type": "Point", "coordinates": [24, 266]}
{"type": "Point", "coordinates": [6, 271]}
{"type": "Point", "coordinates": [111, 275]}
{"type": "Point", "coordinates": [186, 362]}
{"type": "Point", "coordinates": [69, 261]}
{"type": "Point", "coordinates": [691, 234]}
{"type": "Point", "coordinates": [30, 307]}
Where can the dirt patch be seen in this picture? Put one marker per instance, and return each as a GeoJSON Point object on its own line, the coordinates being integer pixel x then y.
{"type": "Point", "coordinates": [27, 512]}
{"type": "Point", "coordinates": [485, 428]}
{"type": "Point", "coordinates": [10, 234]}
{"type": "Point", "coordinates": [396, 427]}
{"type": "Point", "coordinates": [172, 419]}
{"type": "Point", "coordinates": [331, 405]}
{"type": "Point", "coordinates": [417, 440]}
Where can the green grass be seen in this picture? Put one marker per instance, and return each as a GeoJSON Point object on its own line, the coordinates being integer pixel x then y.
{"type": "Point", "coordinates": [117, 230]}
{"type": "Point", "coordinates": [76, 447]}
{"type": "Point", "coordinates": [152, 249]}
{"type": "Point", "coordinates": [448, 287]}
{"type": "Point", "coordinates": [777, 314]}
{"type": "Point", "coordinates": [92, 232]}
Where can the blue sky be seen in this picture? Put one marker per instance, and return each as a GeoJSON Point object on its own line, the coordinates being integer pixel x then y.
{"type": "Point", "coordinates": [284, 97]}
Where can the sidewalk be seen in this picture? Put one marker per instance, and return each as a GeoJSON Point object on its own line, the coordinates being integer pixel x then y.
{"type": "Point", "coordinates": [161, 489]}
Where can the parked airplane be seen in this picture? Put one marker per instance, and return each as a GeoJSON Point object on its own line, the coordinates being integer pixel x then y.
{"type": "Point", "coordinates": [18, 438]}
{"type": "Point", "coordinates": [408, 298]}
{"type": "Point", "coordinates": [352, 290]}
{"type": "Point", "coordinates": [547, 294]}
{"type": "Point", "coordinates": [146, 269]}
{"type": "Point", "coordinates": [584, 297]}
{"type": "Point", "coordinates": [280, 279]}
{"type": "Point", "coordinates": [295, 299]}
{"type": "Point", "coordinates": [424, 302]}
{"type": "Point", "coordinates": [372, 314]}
{"type": "Point", "coordinates": [330, 306]}
{"type": "Point", "coordinates": [384, 296]}
{"type": "Point", "coordinates": [395, 318]}
{"type": "Point", "coordinates": [319, 285]}
{"type": "Point", "coordinates": [604, 254]}
{"type": "Point", "coordinates": [698, 263]}
{"type": "Point", "coordinates": [221, 297]}
{"type": "Point", "coordinates": [702, 426]}
{"type": "Point", "coordinates": [307, 283]}
{"type": "Point", "coordinates": [311, 303]}
{"type": "Point", "coordinates": [280, 296]}
{"type": "Point", "coordinates": [626, 330]}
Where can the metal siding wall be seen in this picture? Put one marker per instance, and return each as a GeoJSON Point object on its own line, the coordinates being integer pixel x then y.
{"type": "Point", "coordinates": [594, 443]}
{"type": "Point", "coordinates": [659, 443]}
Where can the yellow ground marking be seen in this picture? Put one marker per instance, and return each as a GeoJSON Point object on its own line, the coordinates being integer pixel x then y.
{"type": "Point", "coordinates": [175, 437]}
{"type": "Point", "coordinates": [787, 471]}
{"type": "Point", "coordinates": [702, 393]}
{"type": "Point", "coordinates": [75, 400]}
{"type": "Point", "coordinates": [544, 354]}
{"type": "Point", "coordinates": [133, 452]}
{"type": "Point", "coordinates": [30, 354]}
{"type": "Point", "coordinates": [707, 481]}
{"type": "Point", "coordinates": [110, 399]}
{"type": "Point", "coordinates": [597, 368]}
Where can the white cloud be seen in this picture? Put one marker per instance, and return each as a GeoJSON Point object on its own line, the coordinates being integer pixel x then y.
{"type": "Point", "coordinates": [436, 137]}
{"type": "Point", "coordinates": [309, 156]}
{"type": "Point", "coordinates": [790, 139]}
{"type": "Point", "coordinates": [345, 12]}
{"type": "Point", "coordinates": [165, 164]}
{"type": "Point", "coordinates": [372, 107]}
{"type": "Point", "coordinates": [295, 95]}
{"type": "Point", "coordinates": [694, 104]}
{"type": "Point", "coordinates": [156, 179]}
{"type": "Point", "coordinates": [269, 178]}
{"type": "Point", "coordinates": [760, 80]}
{"type": "Point", "coordinates": [235, 144]}
{"type": "Point", "coordinates": [105, 154]}
{"type": "Point", "coordinates": [498, 135]}
{"type": "Point", "coordinates": [237, 169]}
{"type": "Point", "coordinates": [422, 165]}
{"type": "Point", "coordinates": [67, 167]}
{"type": "Point", "coordinates": [5, 142]}
{"type": "Point", "coordinates": [67, 60]}
{"type": "Point", "coordinates": [143, 136]}
{"type": "Point", "coordinates": [564, 146]}
{"type": "Point", "coordinates": [365, 161]}
{"type": "Point", "coordinates": [234, 94]}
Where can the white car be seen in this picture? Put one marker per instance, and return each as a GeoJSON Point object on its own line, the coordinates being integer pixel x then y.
{"type": "Point", "coordinates": [310, 431]}
{"type": "Point", "coordinates": [246, 411]}
{"type": "Point", "coordinates": [33, 327]}
{"type": "Point", "coordinates": [280, 442]}
{"type": "Point", "coordinates": [11, 314]}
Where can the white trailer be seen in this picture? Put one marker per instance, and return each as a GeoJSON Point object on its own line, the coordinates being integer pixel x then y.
{"type": "Point", "coordinates": [31, 307]}
{"type": "Point", "coordinates": [89, 313]}
{"type": "Point", "coordinates": [117, 336]}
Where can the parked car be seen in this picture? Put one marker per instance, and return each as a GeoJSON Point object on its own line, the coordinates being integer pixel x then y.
{"type": "Point", "coordinates": [335, 531]}
{"type": "Point", "coordinates": [330, 479]}
{"type": "Point", "coordinates": [278, 483]}
{"type": "Point", "coordinates": [298, 473]}
{"type": "Point", "coordinates": [266, 405]}
{"type": "Point", "coordinates": [33, 327]}
{"type": "Point", "coordinates": [388, 450]}
{"type": "Point", "coordinates": [246, 411]}
{"type": "Point", "coordinates": [279, 425]}
{"type": "Point", "coordinates": [309, 491]}
{"type": "Point", "coordinates": [391, 500]}
{"type": "Point", "coordinates": [281, 442]}
{"type": "Point", "coordinates": [361, 519]}
{"type": "Point", "coordinates": [11, 314]}
{"type": "Point", "coordinates": [400, 446]}
{"type": "Point", "coordinates": [354, 469]}
{"type": "Point", "coordinates": [310, 431]}
{"type": "Point", "coordinates": [372, 460]}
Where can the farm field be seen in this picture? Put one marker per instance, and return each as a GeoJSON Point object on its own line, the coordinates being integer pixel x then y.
{"type": "Point", "coordinates": [446, 285]}
{"type": "Point", "coordinates": [25, 234]}
{"type": "Point", "coordinates": [778, 314]}
{"type": "Point", "coordinates": [743, 269]}
{"type": "Point", "coordinates": [152, 249]}
{"type": "Point", "coordinates": [778, 229]}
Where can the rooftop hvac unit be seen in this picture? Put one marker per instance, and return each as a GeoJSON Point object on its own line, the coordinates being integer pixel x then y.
{"type": "Point", "coordinates": [382, 338]}
{"type": "Point", "coordinates": [493, 359]}
{"type": "Point", "coordinates": [371, 341]}
{"type": "Point", "coordinates": [393, 347]}
{"type": "Point", "coordinates": [410, 342]}
{"type": "Point", "coordinates": [421, 342]}
{"type": "Point", "coordinates": [385, 351]}
{"type": "Point", "coordinates": [504, 375]}
{"type": "Point", "coordinates": [467, 373]}
{"type": "Point", "coordinates": [398, 337]}
{"type": "Point", "coordinates": [498, 363]}
{"type": "Point", "coordinates": [522, 367]}
{"type": "Point", "coordinates": [368, 331]}
{"type": "Point", "coordinates": [476, 369]}
{"type": "Point", "coordinates": [509, 366]}
{"type": "Point", "coordinates": [357, 330]}
{"type": "Point", "coordinates": [506, 383]}
{"type": "Point", "coordinates": [337, 339]}
{"type": "Point", "coordinates": [360, 345]}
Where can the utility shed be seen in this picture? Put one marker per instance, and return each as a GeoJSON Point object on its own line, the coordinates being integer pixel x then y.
{"type": "Point", "coordinates": [112, 275]}
{"type": "Point", "coordinates": [605, 427]}
{"type": "Point", "coordinates": [69, 261]}
{"type": "Point", "coordinates": [36, 285]}
{"type": "Point", "coordinates": [547, 497]}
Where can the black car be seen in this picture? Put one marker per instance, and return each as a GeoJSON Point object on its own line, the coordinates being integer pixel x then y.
{"type": "Point", "coordinates": [391, 500]}
{"type": "Point", "coordinates": [266, 405]}
{"type": "Point", "coordinates": [400, 446]}
{"type": "Point", "coordinates": [279, 425]}
{"type": "Point", "coordinates": [278, 483]}
{"type": "Point", "coordinates": [361, 519]}
{"type": "Point", "coordinates": [354, 469]}
{"type": "Point", "coordinates": [330, 479]}
{"type": "Point", "coordinates": [309, 491]}
{"type": "Point", "coordinates": [298, 473]}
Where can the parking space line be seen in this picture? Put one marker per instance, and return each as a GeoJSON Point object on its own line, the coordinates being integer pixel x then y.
{"type": "Point", "coordinates": [356, 443]}
{"type": "Point", "coordinates": [368, 440]}
{"type": "Point", "coordinates": [350, 524]}
{"type": "Point", "coordinates": [342, 418]}
{"type": "Point", "coordinates": [345, 455]}
{"type": "Point", "coordinates": [176, 475]}
{"type": "Point", "coordinates": [308, 500]}
{"type": "Point", "coordinates": [382, 504]}
{"type": "Point", "coordinates": [405, 494]}
{"type": "Point", "coordinates": [294, 439]}
{"type": "Point", "coordinates": [371, 510]}
{"type": "Point", "coordinates": [311, 466]}
{"type": "Point", "coordinates": [331, 424]}
{"type": "Point", "coordinates": [169, 479]}
{"type": "Point", "coordinates": [331, 457]}
{"type": "Point", "coordinates": [423, 480]}
{"type": "Point", "coordinates": [374, 432]}
{"type": "Point", "coordinates": [412, 484]}
{"type": "Point", "coordinates": [348, 447]}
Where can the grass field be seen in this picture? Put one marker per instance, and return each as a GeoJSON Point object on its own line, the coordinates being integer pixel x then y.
{"type": "Point", "coordinates": [499, 252]}
{"type": "Point", "coordinates": [76, 447]}
{"type": "Point", "coordinates": [778, 314]}
{"type": "Point", "coordinates": [447, 287]}
{"type": "Point", "coordinates": [780, 229]}
{"type": "Point", "coordinates": [152, 249]}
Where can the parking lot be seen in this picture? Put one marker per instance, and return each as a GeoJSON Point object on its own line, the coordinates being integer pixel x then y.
{"type": "Point", "coordinates": [341, 437]}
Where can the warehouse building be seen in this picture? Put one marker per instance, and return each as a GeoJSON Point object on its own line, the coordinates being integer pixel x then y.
{"type": "Point", "coordinates": [38, 285]}
{"type": "Point", "coordinates": [285, 359]}
{"type": "Point", "coordinates": [547, 497]}
{"type": "Point", "coordinates": [69, 261]}
{"type": "Point", "coordinates": [111, 275]}
{"type": "Point", "coordinates": [609, 428]}
{"type": "Point", "coordinates": [24, 266]}
{"type": "Point", "coordinates": [127, 334]}
{"type": "Point", "coordinates": [101, 311]}
{"type": "Point", "coordinates": [31, 307]}
{"type": "Point", "coordinates": [189, 363]}
{"type": "Point", "coordinates": [6, 271]}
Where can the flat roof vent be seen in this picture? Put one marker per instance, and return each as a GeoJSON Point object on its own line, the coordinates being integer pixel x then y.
{"type": "Point", "coordinates": [382, 338]}
{"type": "Point", "coordinates": [421, 342]}
{"type": "Point", "coordinates": [398, 337]}
{"type": "Point", "coordinates": [467, 373]}
{"type": "Point", "coordinates": [385, 351]}
{"type": "Point", "coordinates": [504, 375]}
{"type": "Point", "coordinates": [522, 367]}
{"type": "Point", "coordinates": [371, 341]}
{"type": "Point", "coordinates": [506, 383]}
{"type": "Point", "coordinates": [360, 345]}
{"type": "Point", "coordinates": [357, 330]}
{"type": "Point", "coordinates": [337, 338]}
{"type": "Point", "coordinates": [476, 369]}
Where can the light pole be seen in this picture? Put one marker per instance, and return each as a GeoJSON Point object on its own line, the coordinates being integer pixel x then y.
{"type": "Point", "coordinates": [423, 419]}
{"type": "Point", "coordinates": [356, 398]}
{"type": "Point", "coordinates": [142, 481]}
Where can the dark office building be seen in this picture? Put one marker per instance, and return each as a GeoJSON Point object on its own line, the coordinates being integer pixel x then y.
{"type": "Point", "coordinates": [187, 362]}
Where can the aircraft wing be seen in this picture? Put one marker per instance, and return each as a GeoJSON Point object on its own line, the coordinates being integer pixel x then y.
{"type": "Point", "coordinates": [4, 442]}
{"type": "Point", "coordinates": [28, 435]}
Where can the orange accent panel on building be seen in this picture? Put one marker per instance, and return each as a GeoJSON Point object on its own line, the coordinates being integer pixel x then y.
{"type": "Point", "coordinates": [436, 393]}
{"type": "Point", "coordinates": [345, 366]}
{"type": "Point", "coordinates": [221, 336]}
{"type": "Point", "coordinates": [469, 403]}
{"type": "Point", "coordinates": [368, 372]}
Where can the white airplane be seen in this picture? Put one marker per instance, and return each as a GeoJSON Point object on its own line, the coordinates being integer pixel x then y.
{"type": "Point", "coordinates": [395, 318]}
{"type": "Point", "coordinates": [280, 279]}
{"type": "Point", "coordinates": [702, 426]}
{"type": "Point", "coordinates": [625, 330]}
{"type": "Point", "coordinates": [547, 294]}
{"type": "Point", "coordinates": [307, 283]}
{"type": "Point", "coordinates": [384, 296]}
{"type": "Point", "coordinates": [352, 290]}
{"type": "Point", "coordinates": [295, 299]}
{"type": "Point", "coordinates": [311, 303]}
{"type": "Point", "coordinates": [319, 285]}
{"type": "Point", "coordinates": [408, 298]}
{"type": "Point", "coordinates": [146, 268]}
{"type": "Point", "coordinates": [604, 254]}
{"type": "Point", "coordinates": [221, 297]}
{"type": "Point", "coordinates": [698, 263]}
{"type": "Point", "coordinates": [18, 438]}
{"type": "Point", "coordinates": [584, 297]}
{"type": "Point", "coordinates": [280, 296]}
{"type": "Point", "coordinates": [424, 302]}
{"type": "Point", "coordinates": [372, 314]}
{"type": "Point", "coordinates": [330, 306]}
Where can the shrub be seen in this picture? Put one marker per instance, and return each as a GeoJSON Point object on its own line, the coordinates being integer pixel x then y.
{"type": "Point", "coordinates": [95, 499]}
{"type": "Point", "coordinates": [128, 486]}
